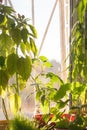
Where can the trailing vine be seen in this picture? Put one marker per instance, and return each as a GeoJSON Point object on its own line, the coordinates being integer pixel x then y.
{"type": "Point", "coordinates": [78, 53]}
{"type": "Point", "coordinates": [79, 43]}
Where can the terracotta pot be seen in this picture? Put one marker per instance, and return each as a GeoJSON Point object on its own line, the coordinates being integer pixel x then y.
{"type": "Point", "coordinates": [3, 124]}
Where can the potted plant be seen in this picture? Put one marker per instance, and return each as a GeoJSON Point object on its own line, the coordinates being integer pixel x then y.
{"type": "Point", "coordinates": [78, 68]}
{"type": "Point", "coordinates": [48, 95]}
{"type": "Point", "coordinates": [77, 86]}
{"type": "Point", "coordinates": [17, 49]}
{"type": "Point", "coordinates": [17, 35]}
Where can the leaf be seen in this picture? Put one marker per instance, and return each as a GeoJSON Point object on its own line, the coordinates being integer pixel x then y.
{"type": "Point", "coordinates": [45, 106]}
{"type": "Point", "coordinates": [2, 61]}
{"type": "Point", "coordinates": [15, 102]}
{"type": "Point", "coordinates": [46, 117]}
{"type": "Point", "coordinates": [5, 41]}
{"type": "Point", "coordinates": [23, 48]}
{"type": "Point", "coordinates": [16, 35]}
{"type": "Point", "coordinates": [10, 23]}
{"type": "Point", "coordinates": [3, 78]}
{"type": "Point", "coordinates": [45, 61]}
{"type": "Point", "coordinates": [81, 9]}
{"type": "Point", "coordinates": [2, 18]}
{"type": "Point", "coordinates": [24, 67]}
{"type": "Point", "coordinates": [8, 10]}
{"type": "Point", "coordinates": [38, 95]}
{"type": "Point", "coordinates": [77, 88]}
{"type": "Point", "coordinates": [12, 63]}
{"type": "Point", "coordinates": [33, 46]}
{"type": "Point", "coordinates": [43, 99]}
{"type": "Point", "coordinates": [61, 104]}
{"type": "Point", "coordinates": [24, 34]}
{"type": "Point", "coordinates": [48, 64]}
{"type": "Point", "coordinates": [52, 93]}
{"type": "Point", "coordinates": [33, 30]}
{"type": "Point", "coordinates": [61, 92]}
{"type": "Point", "coordinates": [27, 47]}
{"type": "Point", "coordinates": [43, 58]}
{"type": "Point", "coordinates": [54, 77]}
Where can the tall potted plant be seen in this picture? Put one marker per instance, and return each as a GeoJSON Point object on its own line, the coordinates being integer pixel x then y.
{"type": "Point", "coordinates": [17, 49]}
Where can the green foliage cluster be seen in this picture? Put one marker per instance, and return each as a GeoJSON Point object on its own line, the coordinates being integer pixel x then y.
{"type": "Point", "coordinates": [78, 54]}
{"type": "Point", "coordinates": [46, 92]}
{"type": "Point", "coordinates": [79, 43]}
{"type": "Point", "coordinates": [22, 123]}
{"type": "Point", "coordinates": [18, 58]}
{"type": "Point", "coordinates": [78, 124]}
{"type": "Point", "coordinates": [77, 87]}
{"type": "Point", "coordinates": [63, 124]}
{"type": "Point", "coordinates": [16, 45]}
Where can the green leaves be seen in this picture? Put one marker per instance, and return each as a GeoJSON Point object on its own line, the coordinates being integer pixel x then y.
{"type": "Point", "coordinates": [23, 48]}
{"type": "Point", "coordinates": [78, 43]}
{"type": "Point", "coordinates": [43, 99]}
{"type": "Point", "coordinates": [2, 61]}
{"type": "Point", "coordinates": [78, 123]}
{"type": "Point", "coordinates": [21, 122]}
{"type": "Point", "coordinates": [45, 61]}
{"type": "Point", "coordinates": [12, 63]}
{"type": "Point", "coordinates": [45, 105]}
{"type": "Point", "coordinates": [34, 32]}
{"type": "Point", "coordinates": [38, 94]}
{"type": "Point", "coordinates": [33, 46]}
{"type": "Point", "coordinates": [7, 10]}
{"type": "Point", "coordinates": [24, 67]}
{"type": "Point", "coordinates": [10, 24]}
{"type": "Point", "coordinates": [5, 42]}
{"type": "Point", "coordinates": [3, 78]}
{"type": "Point", "coordinates": [16, 35]}
{"type": "Point", "coordinates": [61, 104]}
{"type": "Point", "coordinates": [54, 77]}
{"type": "Point", "coordinates": [78, 89]}
{"type": "Point", "coordinates": [81, 9]}
{"type": "Point", "coordinates": [2, 17]}
{"type": "Point", "coordinates": [43, 58]}
{"type": "Point", "coordinates": [61, 92]}
{"type": "Point", "coordinates": [24, 34]}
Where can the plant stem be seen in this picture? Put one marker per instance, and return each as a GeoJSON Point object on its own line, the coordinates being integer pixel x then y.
{"type": "Point", "coordinates": [17, 73]}
{"type": "Point", "coordinates": [17, 88]}
{"type": "Point", "coordinates": [4, 109]}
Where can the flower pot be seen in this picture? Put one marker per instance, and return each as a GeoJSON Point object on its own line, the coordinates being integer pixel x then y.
{"type": "Point", "coordinates": [3, 124]}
